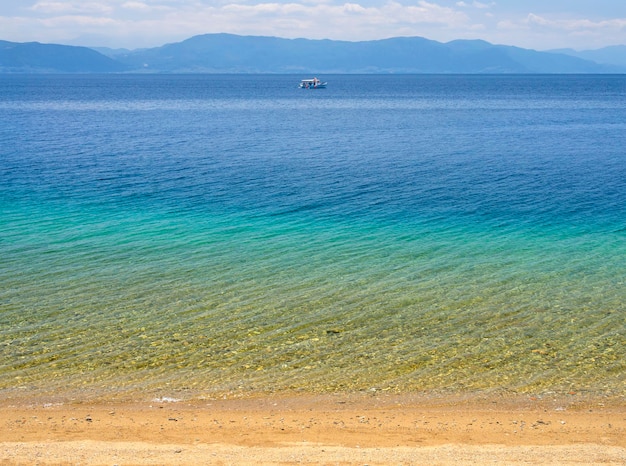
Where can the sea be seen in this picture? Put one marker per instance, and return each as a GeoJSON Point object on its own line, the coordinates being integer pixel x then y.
{"type": "Point", "coordinates": [195, 236]}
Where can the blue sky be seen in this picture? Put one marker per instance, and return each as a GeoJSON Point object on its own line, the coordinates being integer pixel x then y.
{"type": "Point", "coordinates": [537, 24]}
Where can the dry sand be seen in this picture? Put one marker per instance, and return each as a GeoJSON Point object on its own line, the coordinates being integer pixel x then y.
{"type": "Point", "coordinates": [332, 429]}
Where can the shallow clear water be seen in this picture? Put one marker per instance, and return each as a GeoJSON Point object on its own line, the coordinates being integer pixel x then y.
{"type": "Point", "coordinates": [222, 234]}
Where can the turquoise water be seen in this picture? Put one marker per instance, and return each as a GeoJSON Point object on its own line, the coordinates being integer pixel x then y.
{"type": "Point", "coordinates": [208, 235]}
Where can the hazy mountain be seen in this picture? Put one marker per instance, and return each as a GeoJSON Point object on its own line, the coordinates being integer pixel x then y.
{"type": "Point", "coordinates": [249, 54]}
{"type": "Point", "coordinates": [613, 55]}
{"type": "Point", "coordinates": [52, 58]}
{"type": "Point", "coordinates": [227, 53]}
{"type": "Point", "coordinates": [111, 53]}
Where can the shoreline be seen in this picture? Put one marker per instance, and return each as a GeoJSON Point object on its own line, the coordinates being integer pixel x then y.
{"type": "Point", "coordinates": [318, 429]}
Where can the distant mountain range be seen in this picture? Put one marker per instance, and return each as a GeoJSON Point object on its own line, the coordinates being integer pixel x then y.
{"type": "Point", "coordinates": [33, 57]}
{"type": "Point", "coordinates": [613, 55]}
{"type": "Point", "coordinates": [227, 53]}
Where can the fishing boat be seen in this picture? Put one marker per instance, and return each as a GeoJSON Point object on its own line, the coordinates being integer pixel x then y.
{"type": "Point", "coordinates": [312, 84]}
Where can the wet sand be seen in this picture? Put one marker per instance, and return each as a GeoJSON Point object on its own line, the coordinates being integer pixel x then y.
{"type": "Point", "coordinates": [330, 429]}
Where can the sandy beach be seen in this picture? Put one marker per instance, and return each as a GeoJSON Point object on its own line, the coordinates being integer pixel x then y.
{"type": "Point", "coordinates": [306, 429]}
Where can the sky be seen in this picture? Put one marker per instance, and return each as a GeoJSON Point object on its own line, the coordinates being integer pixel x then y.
{"type": "Point", "coordinates": [535, 24]}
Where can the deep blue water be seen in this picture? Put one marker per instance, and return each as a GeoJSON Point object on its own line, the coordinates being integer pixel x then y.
{"type": "Point", "coordinates": [221, 233]}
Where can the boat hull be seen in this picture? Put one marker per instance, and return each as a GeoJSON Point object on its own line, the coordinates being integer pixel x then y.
{"type": "Point", "coordinates": [312, 84]}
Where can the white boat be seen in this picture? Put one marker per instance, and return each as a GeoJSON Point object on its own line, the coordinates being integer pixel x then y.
{"type": "Point", "coordinates": [312, 84]}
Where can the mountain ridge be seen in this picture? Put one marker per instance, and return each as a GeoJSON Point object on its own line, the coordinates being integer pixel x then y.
{"type": "Point", "coordinates": [35, 57]}
{"type": "Point", "coordinates": [613, 54]}
{"type": "Point", "coordinates": [229, 53]}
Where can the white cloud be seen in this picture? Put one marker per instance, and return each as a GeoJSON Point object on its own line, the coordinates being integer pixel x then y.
{"type": "Point", "coordinates": [543, 32]}
{"type": "Point", "coordinates": [52, 7]}
{"type": "Point", "coordinates": [71, 21]}
{"type": "Point", "coordinates": [353, 8]}
{"type": "Point", "coordinates": [71, 7]}
{"type": "Point", "coordinates": [534, 19]}
{"type": "Point", "coordinates": [138, 6]}
{"type": "Point", "coordinates": [425, 12]}
{"type": "Point", "coordinates": [539, 23]}
{"type": "Point", "coordinates": [348, 21]}
{"type": "Point", "coordinates": [576, 24]}
{"type": "Point", "coordinates": [144, 23]}
{"type": "Point", "coordinates": [482, 6]}
{"type": "Point", "coordinates": [479, 5]}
